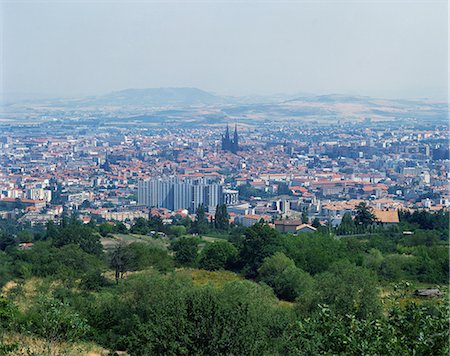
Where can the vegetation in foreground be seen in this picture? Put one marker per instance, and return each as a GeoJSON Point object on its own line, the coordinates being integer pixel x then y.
{"type": "Point", "coordinates": [256, 292]}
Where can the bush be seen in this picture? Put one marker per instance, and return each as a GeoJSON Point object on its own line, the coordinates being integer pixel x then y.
{"type": "Point", "coordinates": [152, 315]}
{"type": "Point", "coordinates": [408, 330]}
{"type": "Point", "coordinates": [69, 262]}
{"type": "Point", "coordinates": [177, 230]}
{"type": "Point", "coordinates": [94, 281]}
{"type": "Point", "coordinates": [314, 254]}
{"type": "Point", "coordinates": [145, 255]}
{"type": "Point", "coordinates": [55, 321]}
{"type": "Point", "coordinates": [105, 229]}
{"type": "Point", "coordinates": [348, 289]}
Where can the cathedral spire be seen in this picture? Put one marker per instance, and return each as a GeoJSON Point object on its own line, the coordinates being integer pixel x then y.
{"type": "Point", "coordinates": [229, 144]}
{"type": "Point", "coordinates": [227, 133]}
{"type": "Point", "coordinates": [235, 139]}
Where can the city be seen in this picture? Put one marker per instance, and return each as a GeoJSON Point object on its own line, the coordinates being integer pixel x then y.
{"type": "Point", "coordinates": [237, 178]}
{"type": "Point", "coordinates": [276, 170]}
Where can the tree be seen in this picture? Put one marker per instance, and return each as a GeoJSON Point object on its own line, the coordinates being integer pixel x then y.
{"type": "Point", "coordinates": [146, 255]}
{"type": "Point", "coordinates": [140, 227]}
{"type": "Point", "coordinates": [177, 230]}
{"type": "Point", "coordinates": [74, 232]}
{"type": "Point", "coordinates": [364, 215]}
{"type": "Point", "coordinates": [283, 189]}
{"type": "Point", "coordinates": [313, 254]}
{"type": "Point", "coordinates": [347, 225]}
{"type": "Point", "coordinates": [8, 315]}
{"type": "Point", "coordinates": [316, 223]}
{"type": "Point", "coordinates": [287, 281]}
{"type": "Point", "coordinates": [121, 228]}
{"type": "Point", "coordinates": [412, 329]}
{"type": "Point", "coordinates": [218, 255]}
{"type": "Point", "coordinates": [86, 204]}
{"type": "Point", "coordinates": [221, 218]}
{"type": "Point", "coordinates": [155, 223]}
{"type": "Point", "coordinates": [121, 260]}
{"type": "Point", "coordinates": [305, 219]}
{"type": "Point", "coordinates": [105, 229]}
{"type": "Point", "coordinates": [6, 240]}
{"type": "Point", "coordinates": [260, 241]}
{"type": "Point", "coordinates": [349, 289]}
{"type": "Point", "coordinates": [185, 249]}
{"type": "Point", "coordinates": [200, 225]}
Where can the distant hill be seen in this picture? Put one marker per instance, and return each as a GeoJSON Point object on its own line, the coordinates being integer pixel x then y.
{"type": "Point", "coordinates": [179, 97]}
{"type": "Point", "coordinates": [188, 105]}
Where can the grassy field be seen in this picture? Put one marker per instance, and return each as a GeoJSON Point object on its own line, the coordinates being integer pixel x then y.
{"type": "Point", "coordinates": [403, 292]}
{"type": "Point", "coordinates": [215, 278]}
{"type": "Point", "coordinates": [109, 242]}
{"type": "Point", "coordinates": [161, 242]}
{"type": "Point", "coordinates": [29, 345]}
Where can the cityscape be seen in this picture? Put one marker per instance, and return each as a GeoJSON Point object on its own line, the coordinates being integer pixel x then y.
{"type": "Point", "coordinates": [270, 171]}
{"type": "Point", "coordinates": [237, 178]}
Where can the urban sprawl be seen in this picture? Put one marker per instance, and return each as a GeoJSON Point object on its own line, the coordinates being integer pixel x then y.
{"type": "Point", "coordinates": [272, 172]}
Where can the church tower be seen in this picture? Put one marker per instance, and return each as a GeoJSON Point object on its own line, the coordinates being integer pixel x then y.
{"type": "Point", "coordinates": [235, 146]}
{"type": "Point", "coordinates": [228, 144]}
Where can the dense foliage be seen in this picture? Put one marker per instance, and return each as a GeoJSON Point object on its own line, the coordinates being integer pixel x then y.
{"type": "Point", "coordinates": [130, 297]}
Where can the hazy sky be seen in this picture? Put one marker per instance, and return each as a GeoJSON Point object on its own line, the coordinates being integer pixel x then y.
{"type": "Point", "coordinates": [379, 48]}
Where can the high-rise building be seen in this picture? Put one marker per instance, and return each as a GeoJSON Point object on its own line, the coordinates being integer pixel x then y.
{"type": "Point", "coordinates": [182, 197]}
{"type": "Point", "coordinates": [174, 193]}
{"type": "Point", "coordinates": [214, 196]}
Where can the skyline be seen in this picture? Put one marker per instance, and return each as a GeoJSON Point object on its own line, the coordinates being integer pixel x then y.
{"type": "Point", "coordinates": [387, 50]}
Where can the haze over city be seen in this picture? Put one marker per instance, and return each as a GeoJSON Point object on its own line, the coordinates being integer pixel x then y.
{"type": "Point", "coordinates": [387, 49]}
{"type": "Point", "coordinates": [224, 178]}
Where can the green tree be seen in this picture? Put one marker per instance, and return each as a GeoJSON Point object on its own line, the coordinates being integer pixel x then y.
{"type": "Point", "coordinates": [221, 218]}
{"type": "Point", "coordinates": [121, 228]}
{"type": "Point", "coordinates": [151, 315]}
{"type": "Point", "coordinates": [177, 230]}
{"type": "Point", "coordinates": [121, 260]}
{"type": "Point", "coordinates": [186, 251]}
{"type": "Point", "coordinates": [348, 289]}
{"type": "Point", "coordinates": [155, 223]}
{"type": "Point", "coordinates": [364, 215]}
{"type": "Point", "coordinates": [316, 223]}
{"type": "Point", "coordinates": [93, 281]}
{"type": "Point", "coordinates": [287, 281]}
{"type": "Point", "coordinates": [55, 321]}
{"type": "Point", "coordinates": [145, 256]}
{"type": "Point", "coordinates": [105, 229]}
{"type": "Point", "coordinates": [260, 241]}
{"type": "Point", "coordinates": [305, 219]}
{"type": "Point", "coordinates": [140, 227]}
{"type": "Point", "coordinates": [373, 259]}
{"type": "Point", "coordinates": [67, 263]}
{"type": "Point", "coordinates": [74, 232]}
{"type": "Point", "coordinates": [200, 224]}
{"type": "Point", "coordinates": [347, 225]}
{"type": "Point", "coordinates": [283, 189]}
{"type": "Point", "coordinates": [6, 240]}
{"type": "Point", "coordinates": [218, 255]}
{"type": "Point", "coordinates": [410, 330]}
{"type": "Point", "coordinates": [313, 254]}
{"type": "Point", "coordinates": [8, 317]}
